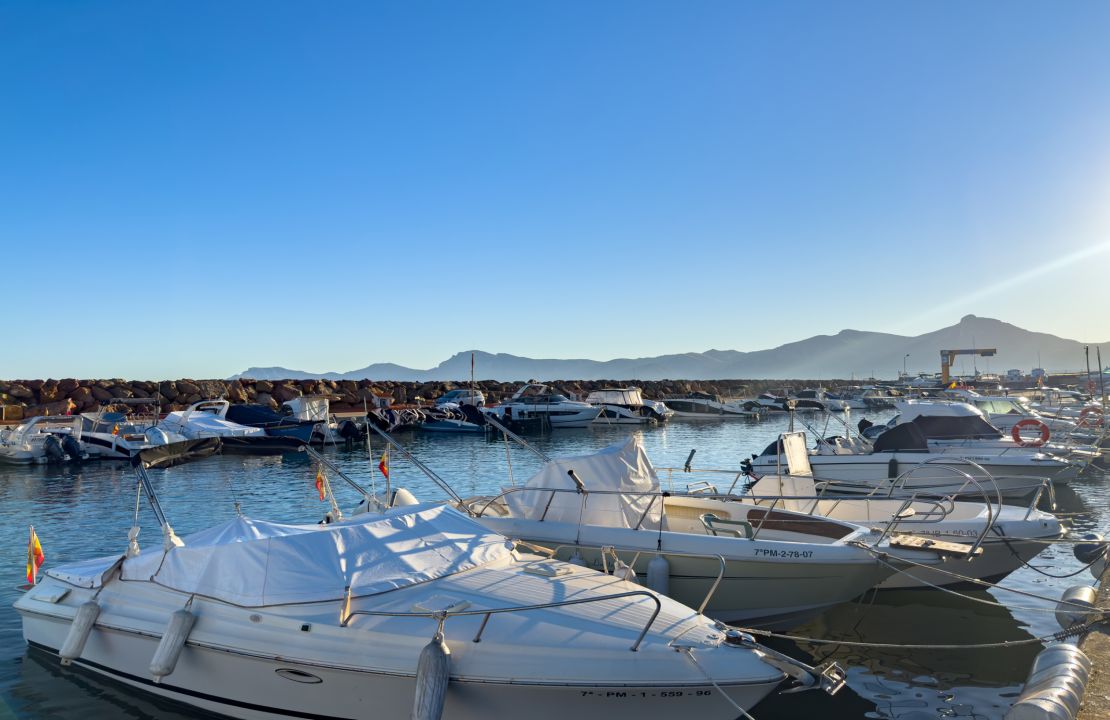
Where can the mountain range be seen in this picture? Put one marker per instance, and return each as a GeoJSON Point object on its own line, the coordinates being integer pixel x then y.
{"type": "Point", "coordinates": [848, 354]}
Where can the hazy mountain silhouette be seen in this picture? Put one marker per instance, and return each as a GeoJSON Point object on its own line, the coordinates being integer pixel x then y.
{"type": "Point", "coordinates": [849, 353]}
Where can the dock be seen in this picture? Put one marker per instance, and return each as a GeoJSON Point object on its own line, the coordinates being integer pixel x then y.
{"type": "Point", "coordinates": [1096, 644]}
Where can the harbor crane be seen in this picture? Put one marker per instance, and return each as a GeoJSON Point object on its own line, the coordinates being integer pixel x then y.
{"type": "Point", "coordinates": [947, 356]}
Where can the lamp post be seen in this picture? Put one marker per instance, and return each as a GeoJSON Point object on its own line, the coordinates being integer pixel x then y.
{"type": "Point", "coordinates": [904, 364]}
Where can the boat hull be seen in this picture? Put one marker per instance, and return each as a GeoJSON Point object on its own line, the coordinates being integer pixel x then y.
{"type": "Point", "coordinates": [256, 687]}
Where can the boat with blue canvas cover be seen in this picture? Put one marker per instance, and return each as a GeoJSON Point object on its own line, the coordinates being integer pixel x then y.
{"type": "Point", "coordinates": [274, 423]}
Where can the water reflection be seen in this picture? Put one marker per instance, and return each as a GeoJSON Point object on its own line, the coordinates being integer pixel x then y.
{"type": "Point", "coordinates": [84, 511]}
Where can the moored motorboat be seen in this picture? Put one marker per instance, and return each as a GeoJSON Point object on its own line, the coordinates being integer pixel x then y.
{"type": "Point", "coordinates": [43, 439]}
{"type": "Point", "coordinates": [414, 607]}
{"type": "Point", "coordinates": [535, 401]}
{"type": "Point", "coordinates": [625, 406]}
{"type": "Point", "coordinates": [698, 405]}
{"type": "Point", "coordinates": [208, 419]}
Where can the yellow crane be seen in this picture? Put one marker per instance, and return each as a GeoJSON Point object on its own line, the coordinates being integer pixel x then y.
{"type": "Point", "coordinates": [947, 356]}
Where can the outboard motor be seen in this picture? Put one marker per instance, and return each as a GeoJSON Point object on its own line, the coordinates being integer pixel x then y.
{"type": "Point", "coordinates": [157, 436]}
{"type": "Point", "coordinates": [349, 430]}
{"type": "Point", "coordinates": [53, 449]}
{"type": "Point", "coordinates": [72, 448]}
{"type": "Point", "coordinates": [863, 424]}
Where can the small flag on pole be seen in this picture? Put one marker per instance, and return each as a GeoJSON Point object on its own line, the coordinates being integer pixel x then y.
{"type": "Point", "coordinates": [320, 482]}
{"type": "Point", "coordinates": [383, 464]}
{"type": "Point", "coordinates": [35, 558]}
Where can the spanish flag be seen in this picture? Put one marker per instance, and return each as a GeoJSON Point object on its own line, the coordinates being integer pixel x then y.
{"type": "Point", "coordinates": [320, 482]}
{"type": "Point", "coordinates": [383, 464]}
{"type": "Point", "coordinates": [35, 558]}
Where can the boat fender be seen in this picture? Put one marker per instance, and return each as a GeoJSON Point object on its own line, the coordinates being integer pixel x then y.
{"type": "Point", "coordinates": [83, 621]}
{"type": "Point", "coordinates": [1045, 433]}
{"type": "Point", "coordinates": [659, 575]}
{"type": "Point", "coordinates": [577, 559]}
{"type": "Point", "coordinates": [892, 468]}
{"type": "Point", "coordinates": [1055, 686]}
{"type": "Point", "coordinates": [172, 642]}
{"type": "Point", "coordinates": [1076, 605]}
{"type": "Point", "coordinates": [1092, 547]}
{"type": "Point", "coordinates": [623, 571]}
{"type": "Point", "coordinates": [432, 675]}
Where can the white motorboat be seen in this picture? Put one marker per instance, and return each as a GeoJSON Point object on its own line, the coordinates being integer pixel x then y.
{"type": "Point", "coordinates": [1009, 536]}
{"type": "Point", "coordinates": [415, 610]}
{"type": "Point", "coordinates": [43, 439]}
{"type": "Point", "coordinates": [739, 561]}
{"type": "Point", "coordinates": [954, 425]}
{"type": "Point", "coordinates": [536, 401]}
{"type": "Point", "coordinates": [818, 399]}
{"type": "Point", "coordinates": [114, 435]}
{"type": "Point", "coordinates": [208, 419]}
{"type": "Point", "coordinates": [704, 406]}
{"type": "Point", "coordinates": [626, 406]}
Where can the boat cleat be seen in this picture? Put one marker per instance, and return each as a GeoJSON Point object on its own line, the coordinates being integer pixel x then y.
{"type": "Point", "coordinates": [829, 677]}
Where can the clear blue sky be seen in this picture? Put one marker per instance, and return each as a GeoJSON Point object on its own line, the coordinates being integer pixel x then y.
{"type": "Point", "coordinates": [191, 188]}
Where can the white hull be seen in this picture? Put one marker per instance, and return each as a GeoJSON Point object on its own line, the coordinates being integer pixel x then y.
{"type": "Point", "coordinates": [253, 687]}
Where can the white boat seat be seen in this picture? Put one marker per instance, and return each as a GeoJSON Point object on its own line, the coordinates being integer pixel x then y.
{"type": "Point", "coordinates": [734, 528]}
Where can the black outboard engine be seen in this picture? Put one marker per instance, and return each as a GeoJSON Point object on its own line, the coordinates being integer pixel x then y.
{"type": "Point", "coordinates": [53, 448]}
{"type": "Point", "coordinates": [72, 448]}
{"type": "Point", "coordinates": [349, 430]}
{"type": "Point", "coordinates": [864, 423]}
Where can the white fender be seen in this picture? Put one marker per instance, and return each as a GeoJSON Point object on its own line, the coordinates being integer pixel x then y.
{"type": "Point", "coordinates": [83, 621]}
{"type": "Point", "coordinates": [659, 575]}
{"type": "Point", "coordinates": [171, 644]}
{"type": "Point", "coordinates": [432, 675]}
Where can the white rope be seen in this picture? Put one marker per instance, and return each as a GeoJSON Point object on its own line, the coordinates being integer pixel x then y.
{"type": "Point", "coordinates": [733, 703]}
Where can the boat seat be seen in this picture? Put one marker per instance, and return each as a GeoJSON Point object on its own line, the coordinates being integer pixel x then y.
{"type": "Point", "coordinates": [734, 528]}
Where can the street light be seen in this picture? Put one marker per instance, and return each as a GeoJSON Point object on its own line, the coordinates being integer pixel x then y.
{"type": "Point", "coordinates": [904, 364]}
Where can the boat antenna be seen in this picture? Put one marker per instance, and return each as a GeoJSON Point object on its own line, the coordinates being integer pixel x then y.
{"type": "Point", "coordinates": [521, 441]}
{"type": "Point", "coordinates": [424, 468]}
{"type": "Point", "coordinates": [370, 451]}
{"type": "Point", "coordinates": [1090, 380]}
{"type": "Point", "coordinates": [1101, 375]}
{"type": "Point", "coordinates": [169, 539]}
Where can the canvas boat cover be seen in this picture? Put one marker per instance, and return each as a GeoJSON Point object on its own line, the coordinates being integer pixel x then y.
{"type": "Point", "coordinates": [255, 563]}
{"type": "Point", "coordinates": [622, 469]}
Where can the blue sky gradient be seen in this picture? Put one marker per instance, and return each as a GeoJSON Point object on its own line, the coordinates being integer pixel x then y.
{"type": "Point", "coordinates": [220, 185]}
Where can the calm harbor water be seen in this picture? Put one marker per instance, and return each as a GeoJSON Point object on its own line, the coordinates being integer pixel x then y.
{"type": "Point", "coordinates": [85, 511]}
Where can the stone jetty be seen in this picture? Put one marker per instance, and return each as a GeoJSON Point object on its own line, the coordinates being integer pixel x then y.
{"type": "Point", "coordinates": [27, 398]}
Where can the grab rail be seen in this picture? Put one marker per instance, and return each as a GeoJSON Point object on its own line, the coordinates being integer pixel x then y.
{"type": "Point", "coordinates": [443, 615]}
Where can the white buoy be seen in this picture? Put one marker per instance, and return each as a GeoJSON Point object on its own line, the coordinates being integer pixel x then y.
{"type": "Point", "coordinates": [1054, 689]}
{"type": "Point", "coordinates": [577, 559]}
{"type": "Point", "coordinates": [1067, 614]}
{"type": "Point", "coordinates": [171, 644]}
{"type": "Point", "coordinates": [83, 621]}
{"type": "Point", "coordinates": [659, 575]}
{"type": "Point", "coordinates": [433, 672]}
{"type": "Point", "coordinates": [403, 498]}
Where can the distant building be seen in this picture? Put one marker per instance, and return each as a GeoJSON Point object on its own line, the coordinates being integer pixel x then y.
{"type": "Point", "coordinates": [1039, 374]}
{"type": "Point", "coordinates": [1013, 375]}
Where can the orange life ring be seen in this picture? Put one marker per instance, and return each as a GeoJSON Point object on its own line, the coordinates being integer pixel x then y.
{"type": "Point", "coordinates": [1085, 415]}
{"type": "Point", "coordinates": [1030, 422]}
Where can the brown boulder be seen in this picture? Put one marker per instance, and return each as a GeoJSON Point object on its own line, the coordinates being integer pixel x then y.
{"type": "Point", "coordinates": [168, 390]}
{"type": "Point", "coordinates": [68, 385]}
{"type": "Point", "coordinates": [59, 407]}
{"type": "Point", "coordinates": [285, 392]}
{"type": "Point", "coordinates": [121, 391]}
{"type": "Point", "coordinates": [187, 387]}
{"type": "Point", "coordinates": [21, 392]}
{"type": "Point", "coordinates": [264, 398]}
{"type": "Point", "coordinates": [81, 395]}
{"type": "Point", "coordinates": [236, 393]}
{"type": "Point", "coordinates": [49, 392]}
{"type": "Point", "coordinates": [264, 386]}
{"type": "Point", "coordinates": [212, 388]}
{"type": "Point", "coordinates": [101, 394]}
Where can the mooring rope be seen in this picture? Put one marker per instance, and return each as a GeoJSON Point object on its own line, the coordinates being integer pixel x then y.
{"type": "Point", "coordinates": [1074, 630]}
{"type": "Point", "coordinates": [690, 654]}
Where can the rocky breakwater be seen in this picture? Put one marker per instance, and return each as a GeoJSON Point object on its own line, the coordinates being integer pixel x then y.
{"type": "Point", "coordinates": [27, 398]}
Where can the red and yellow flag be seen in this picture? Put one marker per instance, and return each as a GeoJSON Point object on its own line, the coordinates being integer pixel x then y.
{"type": "Point", "coordinates": [320, 482]}
{"type": "Point", "coordinates": [35, 558]}
{"type": "Point", "coordinates": [383, 464]}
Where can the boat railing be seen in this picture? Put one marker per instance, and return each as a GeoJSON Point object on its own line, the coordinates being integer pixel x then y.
{"type": "Point", "coordinates": [722, 565]}
{"type": "Point", "coordinates": [443, 615]}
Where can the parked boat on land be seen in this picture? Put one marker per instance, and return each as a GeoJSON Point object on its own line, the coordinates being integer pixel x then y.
{"type": "Point", "coordinates": [535, 401]}
{"type": "Point", "coordinates": [43, 439]}
{"type": "Point", "coordinates": [415, 607]}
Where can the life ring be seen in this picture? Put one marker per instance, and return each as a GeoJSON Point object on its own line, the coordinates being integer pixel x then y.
{"type": "Point", "coordinates": [1085, 414]}
{"type": "Point", "coordinates": [1030, 422]}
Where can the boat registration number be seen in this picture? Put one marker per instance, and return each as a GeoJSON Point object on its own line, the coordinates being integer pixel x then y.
{"type": "Point", "coordinates": [783, 554]}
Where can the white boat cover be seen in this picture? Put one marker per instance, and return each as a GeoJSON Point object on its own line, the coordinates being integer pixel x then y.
{"type": "Point", "coordinates": [255, 563]}
{"type": "Point", "coordinates": [196, 424]}
{"type": "Point", "coordinates": [622, 468]}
